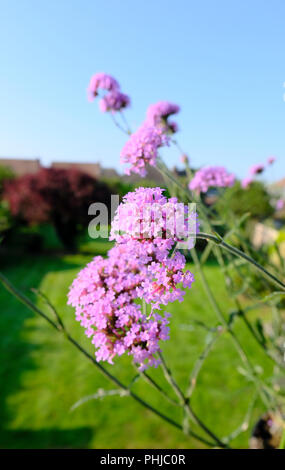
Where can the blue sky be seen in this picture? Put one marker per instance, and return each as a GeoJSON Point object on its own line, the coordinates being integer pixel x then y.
{"type": "Point", "coordinates": [222, 61]}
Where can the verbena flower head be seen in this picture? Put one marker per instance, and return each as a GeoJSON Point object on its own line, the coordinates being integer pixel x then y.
{"type": "Point", "coordinates": [104, 295]}
{"type": "Point", "coordinates": [146, 214]}
{"type": "Point", "coordinates": [158, 114]}
{"type": "Point", "coordinates": [142, 148]}
{"type": "Point", "coordinates": [164, 275]}
{"type": "Point", "coordinates": [211, 176]}
{"type": "Point", "coordinates": [112, 101]}
{"type": "Point", "coordinates": [256, 169]}
{"type": "Point", "coordinates": [101, 81]}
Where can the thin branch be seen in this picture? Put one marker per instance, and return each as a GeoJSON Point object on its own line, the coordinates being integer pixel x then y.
{"type": "Point", "coordinates": [244, 425]}
{"type": "Point", "coordinates": [185, 403]}
{"type": "Point", "coordinates": [237, 252]}
{"type": "Point", "coordinates": [23, 299]}
{"type": "Point", "coordinates": [171, 380]}
{"type": "Point", "coordinates": [198, 365]}
{"type": "Point", "coordinates": [101, 393]}
{"type": "Point", "coordinates": [118, 125]}
{"type": "Point", "coordinates": [157, 387]}
{"type": "Point", "coordinates": [51, 307]}
{"type": "Point", "coordinates": [233, 337]}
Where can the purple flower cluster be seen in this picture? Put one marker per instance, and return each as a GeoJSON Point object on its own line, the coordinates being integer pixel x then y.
{"type": "Point", "coordinates": [255, 170]}
{"type": "Point", "coordinates": [158, 114]}
{"type": "Point", "coordinates": [105, 293]}
{"type": "Point", "coordinates": [211, 176]}
{"type": "Point", "coordinates": [102, 81]}
{"type": "Point", "coordinates": [112, 101]}
{"type": "Point", "coordinates": [146, 214]}
{"type": "Point", "coordinates": [142, 148]}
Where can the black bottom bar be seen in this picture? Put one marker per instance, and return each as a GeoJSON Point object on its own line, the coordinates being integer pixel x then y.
{"type": "Point", "coordinates": [136, 458]}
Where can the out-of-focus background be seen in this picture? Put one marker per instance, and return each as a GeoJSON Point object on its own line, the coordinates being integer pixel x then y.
{"type": "Point", "coordinates": [223, 63]}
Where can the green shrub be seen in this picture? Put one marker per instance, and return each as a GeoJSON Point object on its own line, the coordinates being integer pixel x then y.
{"type": "Point", "coordinates": [255, 200]}
{"type": "Point", "coordinates": [5, 174]}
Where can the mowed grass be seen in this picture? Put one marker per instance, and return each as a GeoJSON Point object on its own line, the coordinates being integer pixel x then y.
{"type": "Point", "coordinates": [42, 375]}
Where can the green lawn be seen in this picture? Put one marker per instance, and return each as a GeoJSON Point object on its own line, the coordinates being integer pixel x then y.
{"type": "Point", "coordinates": [42, 375]}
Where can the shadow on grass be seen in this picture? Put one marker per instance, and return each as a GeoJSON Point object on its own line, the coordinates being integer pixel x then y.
{"type": "Point", "coordinates": [17, 355]}
{"type": "Point", "coordinates": [45, 439]}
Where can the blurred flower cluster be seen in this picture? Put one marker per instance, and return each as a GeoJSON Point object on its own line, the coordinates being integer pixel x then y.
{"type": "Point", "coordinates": [256, 170]}
{"type": "Point", "coordinates": [211, 176]}
{"type": "Point", "coordinates": [112, 101]}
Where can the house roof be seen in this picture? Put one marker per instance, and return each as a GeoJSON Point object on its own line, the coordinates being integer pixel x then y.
{"type": "Point", "coordinates": [92, 169]}
{"type": "Point", "coordinates": [21, 166]}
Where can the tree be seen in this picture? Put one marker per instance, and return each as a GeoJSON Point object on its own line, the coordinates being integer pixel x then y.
{"type": "Point", "coordinates": [5, 174]}
{"type": "Point", "coordinates": [58, 196]}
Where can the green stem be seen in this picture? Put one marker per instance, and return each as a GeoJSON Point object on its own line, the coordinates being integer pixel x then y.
{"type": "Point", "coordinates": [219, 241]}
{"type": "Point", "coordinates": [198, 365]}
{"type": "Point", "coordinates": [157, 387]}
{"type": "Point", "coordinates": [233, 337]}
{"type": "Point", "coordinates": [185, 402]}
{"type": "Point", "coordinates": [244, 318]}
{"type": "Point", "coordinates": [24, 300]}
{"type": "Point", "coordinates": [242, 313]}
{"type": "Point", "coordinates": [164, 170]}
{"type": "Point", "coordinates": [237, 252]}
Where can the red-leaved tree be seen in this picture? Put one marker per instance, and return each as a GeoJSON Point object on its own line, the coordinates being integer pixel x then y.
{"type": "Point", "coordinates": [58, 196]}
